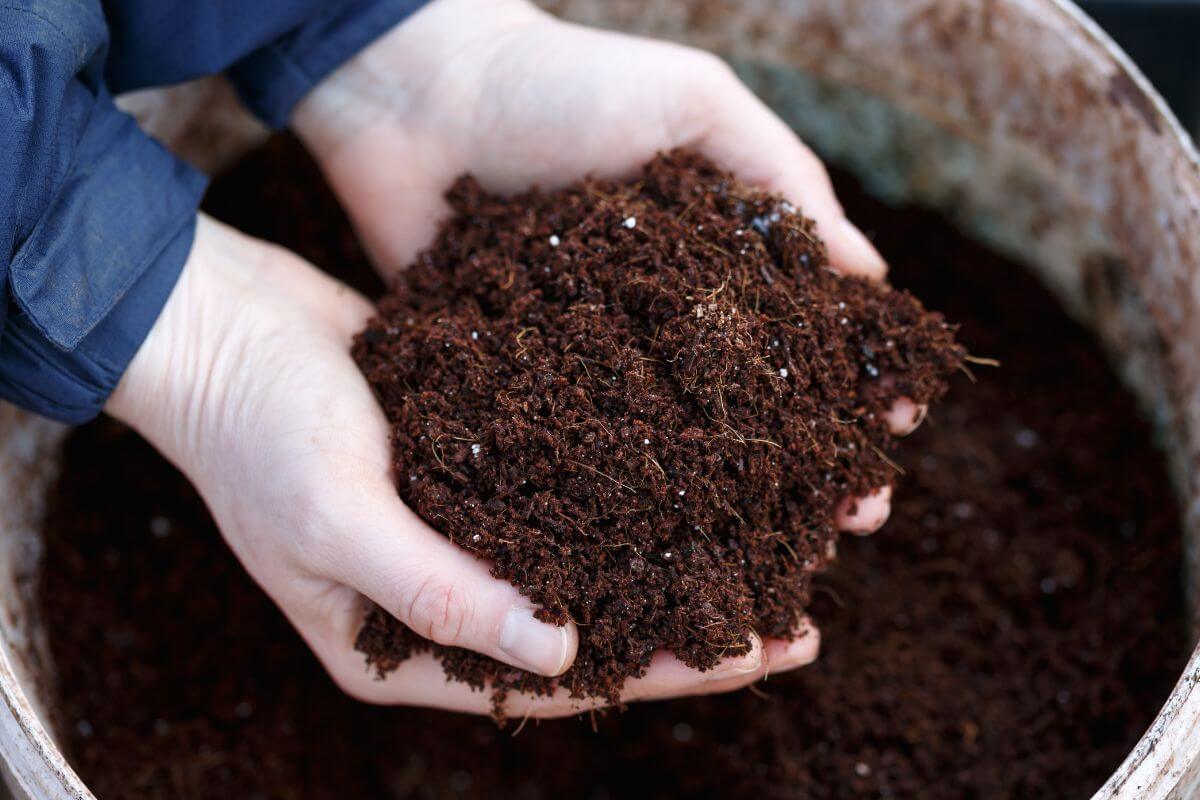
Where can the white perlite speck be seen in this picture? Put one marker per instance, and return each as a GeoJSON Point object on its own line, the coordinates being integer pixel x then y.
{"type": "Point", "coordinates": [630, 222]}
{"type": "Point", "coordinates": [555, 241]}
{"type": "Point", "coordinates": [783, 373]}
{"type": "Point", "coordinates": [476, 449]}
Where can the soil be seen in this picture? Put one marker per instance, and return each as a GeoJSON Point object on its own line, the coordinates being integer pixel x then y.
{"type": "Point", "coordinates": [1010, 633]}
{"type": "Point", "coordinates": [643, 404]}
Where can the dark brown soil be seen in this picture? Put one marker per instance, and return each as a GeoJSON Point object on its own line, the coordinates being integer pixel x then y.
{"type": "Point", "coordinates": [642, 403]}
{"type": "Point", "coordinates": [1010, 633]}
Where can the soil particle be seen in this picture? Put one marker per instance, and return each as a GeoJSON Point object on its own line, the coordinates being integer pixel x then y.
{"type": "Point", "coordinates": [1010, 633]}
{"type": "Point", "coordinates": [647, 428]}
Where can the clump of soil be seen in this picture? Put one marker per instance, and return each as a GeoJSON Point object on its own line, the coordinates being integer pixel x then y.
{"type": "Point", "coordinates": [1010, 633]}
{"type": "Point", "coordinates": [642, 403]}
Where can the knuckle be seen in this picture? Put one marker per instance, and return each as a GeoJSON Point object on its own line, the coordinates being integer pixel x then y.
{"type": "Point", "coordinates": [439, 610]}
{"type": "Point", "coordinates": [360, 686]}
{"type": "Point", "coordinates": [710, 83]}
{"type": "Point", "coordinates": [703, 86]}
{"type": "Point", "coordinates": [711, 67]}
{"type": "Point", "coordinates": [314, 517]}
{"type": "Point", "coordinates": [315, 520]}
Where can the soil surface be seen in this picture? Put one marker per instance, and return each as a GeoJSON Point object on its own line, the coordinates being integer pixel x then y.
{"type": "Point", "coordinates": [643, 404]}
{"type": "Point", "coordinates": [1010, 633]}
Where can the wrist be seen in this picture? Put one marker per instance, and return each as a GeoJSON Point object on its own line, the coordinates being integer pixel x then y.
{"type": "Point", "coordinates": [239, 310]}
{"type": "Point", "coordinates": [172, 376]}
{"type": "Point", "coordinates": [394, 80]}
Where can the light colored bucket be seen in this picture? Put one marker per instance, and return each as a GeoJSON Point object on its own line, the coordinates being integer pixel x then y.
{"type": "Point", "coordinates": [1018, 118]}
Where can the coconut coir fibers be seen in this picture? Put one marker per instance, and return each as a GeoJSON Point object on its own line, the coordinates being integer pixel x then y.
{"type": "Point", "coordinates": [1010, 633]}
{"type": "Point", "coordinates": [642, 403]}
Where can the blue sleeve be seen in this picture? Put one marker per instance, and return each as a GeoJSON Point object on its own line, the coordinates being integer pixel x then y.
{"type": "Point", "coordinates": [274, 51]}
{"type": "Point", "coordinates": [96, 218]}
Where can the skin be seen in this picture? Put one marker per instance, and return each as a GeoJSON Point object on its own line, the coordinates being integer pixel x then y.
{"type": "Point", "coordinates": [246, 383]}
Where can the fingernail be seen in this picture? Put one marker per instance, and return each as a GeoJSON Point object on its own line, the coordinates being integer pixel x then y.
{"type": "Point", "coordinates": [871, 513]}
{"type": "Point", "coordinates": [533, 644]}
{"type": "Point", "coordinates": [865, 257]}
{"type": "Point", "coordinates": [905, 416]}
{"type": "Point", "coordinates": [808, 642]}
{"type": "Point", "coordinates": [740, 665]}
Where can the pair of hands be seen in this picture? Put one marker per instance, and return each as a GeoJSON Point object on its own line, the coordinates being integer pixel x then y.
{"type": "Point", "coordinates": [247, 385]}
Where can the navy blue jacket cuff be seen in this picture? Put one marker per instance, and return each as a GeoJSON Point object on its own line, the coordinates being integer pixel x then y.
{"type": "Point", "coordinates": [88, 283]}
{"type": "Point", "coordinates": [274, 78]}
{"type": "Point", "coordinates": [73, 386]}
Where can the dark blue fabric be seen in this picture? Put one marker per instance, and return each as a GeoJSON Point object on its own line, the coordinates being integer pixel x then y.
{"type": "Point", "coordinates": [96, 218]}
{"type": "Point", "coordinates": [274, 50]}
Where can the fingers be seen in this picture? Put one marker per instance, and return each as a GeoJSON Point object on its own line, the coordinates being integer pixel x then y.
{"type": "Point", "coordinates": [421, 681]}
{"type": "Point", "coordinates": [743, 135]}
{"type": "Point", "coordinates": [905, 416]}
{"type": "Point", "coordinates": [667, 676]}
{"type": "Point", "coordinates": [445, 594]}
{"type": "Point", "coordinates": [783, 655]}
{"type": "Point", "coordinates": [865, 515]}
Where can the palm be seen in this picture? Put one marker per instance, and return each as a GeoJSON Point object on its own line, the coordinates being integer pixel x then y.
{"type": "Point", "coordinates": [542, 103]}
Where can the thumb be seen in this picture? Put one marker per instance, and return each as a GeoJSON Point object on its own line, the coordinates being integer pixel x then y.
{"type": "Point", "coordinates": [445, 594]}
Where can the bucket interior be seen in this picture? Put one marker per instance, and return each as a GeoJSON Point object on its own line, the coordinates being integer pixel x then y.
{"type": "Point", "coordinates": [952, 128]}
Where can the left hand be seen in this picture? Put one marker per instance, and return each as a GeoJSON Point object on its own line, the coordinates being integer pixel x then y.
{"type": "Point", "coordinates": [515, 97]}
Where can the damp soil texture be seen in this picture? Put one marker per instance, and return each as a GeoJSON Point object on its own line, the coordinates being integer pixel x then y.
{"type": "Point", "coordinates": [1011, 632]}
{"type": "Point", "coordinates": [643, 403]}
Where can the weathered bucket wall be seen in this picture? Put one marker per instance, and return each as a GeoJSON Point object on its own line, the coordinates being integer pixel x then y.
{"type": "Point", "coordinates": [1017, 117]}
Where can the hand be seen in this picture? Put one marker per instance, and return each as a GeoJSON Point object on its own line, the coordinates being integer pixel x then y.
{"type": "Point", "coordinates": [246, 384]}
{"type": "Point", "coordinates": [503, 91]}
{"type": "Point", "coordinates": [516, 97]}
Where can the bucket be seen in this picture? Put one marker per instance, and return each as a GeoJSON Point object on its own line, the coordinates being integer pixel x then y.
{"type": "Point", "coordinates": [1018, 119]}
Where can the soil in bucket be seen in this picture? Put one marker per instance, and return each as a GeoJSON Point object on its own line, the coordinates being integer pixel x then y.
{"type": "Point", "coordinates": [1010, 633]}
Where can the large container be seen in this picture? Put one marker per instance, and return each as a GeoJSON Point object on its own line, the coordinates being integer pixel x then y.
{"type": "Point", "coordinates": [1018, 118]}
